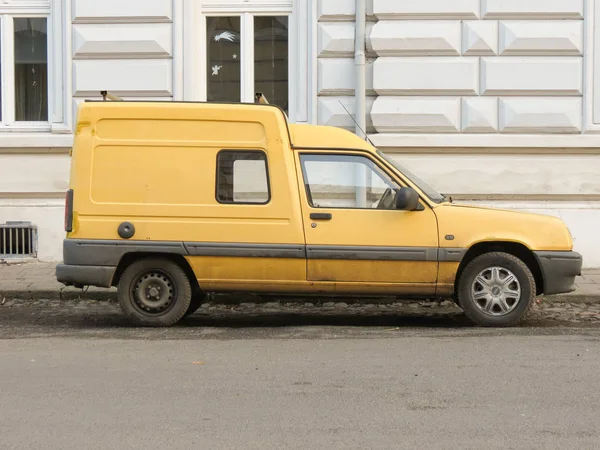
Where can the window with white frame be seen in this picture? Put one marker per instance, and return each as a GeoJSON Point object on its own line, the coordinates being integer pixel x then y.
{"type": "Point", "coordinates": [265, 60]}
{"type": "Point", "coordinates": [255, 47]}
{"type": "Point", "coordinates": [24, 69]}
{"type": "Point", "coordinates": [34, 56]}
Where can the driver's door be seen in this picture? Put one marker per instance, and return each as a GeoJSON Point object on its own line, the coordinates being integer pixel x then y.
{"type": "Point", "coordinates": [353, 233]}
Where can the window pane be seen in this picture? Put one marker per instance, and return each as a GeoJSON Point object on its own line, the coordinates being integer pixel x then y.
{"type": "Point", "coordinates": [242, 177]}
{"type": "Point", "coordinates": [31, 69]}
{"type": "Point", "coordinates": [223, 59]}
{"type": "Point", "coordinates": [271, 59]}
{"type": "Point", "coordinates": [345, 181]}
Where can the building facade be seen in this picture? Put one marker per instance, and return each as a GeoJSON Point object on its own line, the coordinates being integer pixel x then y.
{"type": "Point", "coordinates": [493, 102]}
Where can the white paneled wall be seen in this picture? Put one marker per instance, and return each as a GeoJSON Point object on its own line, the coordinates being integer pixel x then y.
{"type": "Point", "coordinates": [426, 76]}
{"type": "Point", "coordinates": [520, 174]}
{"type": "Point", "coordinates": [51, 173]}
{"type": "Point", "coordinates": [527, 37]}
{"type": "Point", "coordinates": [460, 66]}
{"type": "Point", "coordinates": [416, 37]}
{"type": "Point", "coordinates": [125, 47]}
{"type": "Point", "coordinates": [416, 114]}
{"type": "Point", "coordinates": [454, 87]}
{"type": "Point", "coordinates": [122, 40]}
{"type": "Point", "coordinates": [107, 11]}
{"type": "Point", "coordinates": [479, 38]}
{"type": "Point", "coordinates": [531, 9]}
{"type": "Point", "coordinates": [426, 9]}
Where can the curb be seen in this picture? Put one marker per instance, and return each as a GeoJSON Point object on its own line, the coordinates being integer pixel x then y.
{"type": "Point", "coordinates": [572, 298]}
{"type": "Point", "coordinates": [63, 294]}
{"type": "Point", "coordinates": [110, 295]}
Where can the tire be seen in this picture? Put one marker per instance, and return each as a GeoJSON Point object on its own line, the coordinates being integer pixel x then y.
{"type": "Point", "coordinates": [487, 294]}
{"type": "Point", "coordinates": [197, 300]}
{"type": "Point", "coordinates": [154, 292]}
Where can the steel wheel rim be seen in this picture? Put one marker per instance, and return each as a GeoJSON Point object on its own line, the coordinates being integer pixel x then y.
{"type": "Point", "coordinates": [153, 293]}
{"type": "Point", "coordinates": [496, 291]}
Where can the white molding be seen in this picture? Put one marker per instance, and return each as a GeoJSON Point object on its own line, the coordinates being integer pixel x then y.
{"type": "Point", "coordinates": [35, 140]}
{"type": "Point", "coordinates": [299, 64]}
{"type": "Point", "coordinates": [439, 140]}
{"type": "Point", "coordinates": [263, 7]}
{"type": "Point", "coordinates": [8, 72]}
{"type": "Point", "coordinates": [27, 7]}
{"type": "Point", "coordinates": [55, 64]}
{"type": "Point", "coordinates": [247, 58]}
{"type": "Point", "coordinates": [591, 46]}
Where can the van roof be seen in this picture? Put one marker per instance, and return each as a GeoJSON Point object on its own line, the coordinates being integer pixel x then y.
{"type": "Point", "coordinates": [301, 135]}
{"type": "Point", "coordinates": [317, 136]}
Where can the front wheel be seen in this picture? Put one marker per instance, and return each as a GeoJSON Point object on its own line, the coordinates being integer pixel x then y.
{"type": "Point", "coordinates": [154, 292]}
{"type": "Point", "coordinates": [496, 289]}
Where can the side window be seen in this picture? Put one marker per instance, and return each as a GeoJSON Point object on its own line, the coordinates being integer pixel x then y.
{"type": "Point", "coordinates": [346, 181]}
{"type": "Point", "coordinates": [242, 177]}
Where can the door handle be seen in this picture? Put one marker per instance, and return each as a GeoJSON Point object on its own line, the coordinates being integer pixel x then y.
{"type": "Point", "coordinates": [320, 216]}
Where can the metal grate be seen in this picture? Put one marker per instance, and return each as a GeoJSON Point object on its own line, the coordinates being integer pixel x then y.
{"type": "Point", "coordinates": [18, 239]}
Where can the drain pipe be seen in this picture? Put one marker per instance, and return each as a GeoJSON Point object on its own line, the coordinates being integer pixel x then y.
{"type": "Point", "coordinates": [360, 62]}
{"type": "Point", "coordinates": [359, 97]}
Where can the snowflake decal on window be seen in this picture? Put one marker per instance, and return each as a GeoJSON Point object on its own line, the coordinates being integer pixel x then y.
{"type": "Point", "coordinates": [215, 70]}
{"type": "Point", "coordinates": [227, 35]}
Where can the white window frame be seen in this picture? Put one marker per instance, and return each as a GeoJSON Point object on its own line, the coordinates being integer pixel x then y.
{"type": "Point", "coordinates": [591, 60]}
{"type": "Point", "coordinates": [58, 37]}
{"type": "Point", "coordinates": [193, 15]}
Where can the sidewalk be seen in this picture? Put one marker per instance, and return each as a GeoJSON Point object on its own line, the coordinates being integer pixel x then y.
{"type": "Point", "coordinates": [37, 281]}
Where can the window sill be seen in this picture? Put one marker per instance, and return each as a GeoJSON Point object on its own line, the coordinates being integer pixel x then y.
{"type": "Point", "coordinates": [39, 140]}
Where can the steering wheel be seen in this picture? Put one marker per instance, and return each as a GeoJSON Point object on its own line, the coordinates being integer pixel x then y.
{"type": "Point", "coordinates": [387, 199]}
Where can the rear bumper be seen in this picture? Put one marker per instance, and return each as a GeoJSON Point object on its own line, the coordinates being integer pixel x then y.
{"type": "Point", "coordinates": [559, 270]}
{"type": "Point", "coordinates": [99, 276]}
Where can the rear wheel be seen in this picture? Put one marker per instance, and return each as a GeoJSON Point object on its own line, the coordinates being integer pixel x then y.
{"type": "Point", "coordinates": [154, 292]}
{"type": "Point", "coordinates": [496, 289]}
{"type": "Point", "coordinates": [197, 300]}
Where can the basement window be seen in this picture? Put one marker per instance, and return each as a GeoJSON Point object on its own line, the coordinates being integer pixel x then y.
{"type": "Point", "coordinates": [18, 240]}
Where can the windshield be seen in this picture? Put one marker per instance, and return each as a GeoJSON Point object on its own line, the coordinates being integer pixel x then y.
{"type": "Point", "coordinates": [424, 187]}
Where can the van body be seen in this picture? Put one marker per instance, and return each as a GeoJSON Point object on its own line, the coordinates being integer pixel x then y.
{"type": "Point", "coordinates": [169, 201]}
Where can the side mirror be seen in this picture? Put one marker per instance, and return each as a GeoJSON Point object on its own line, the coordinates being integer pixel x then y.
{"type": "Point", "coordinates": [407, 199]}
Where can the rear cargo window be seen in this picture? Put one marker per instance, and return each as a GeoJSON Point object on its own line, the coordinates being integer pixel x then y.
{"type": "Point", "coordinates": [242, 177]}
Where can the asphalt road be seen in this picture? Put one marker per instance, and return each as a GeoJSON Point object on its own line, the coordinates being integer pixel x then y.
{"type": "Point", "coordinates": [80, 380]}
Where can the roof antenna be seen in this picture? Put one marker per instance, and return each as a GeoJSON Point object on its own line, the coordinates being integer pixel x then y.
{"type": "Point", "coordinates": [354, 120]}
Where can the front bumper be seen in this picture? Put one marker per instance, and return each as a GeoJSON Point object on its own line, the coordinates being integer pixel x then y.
{"type": "Point", "coordinates": [78, 276]}
{"type": "Point", "coordinates": [559, 270]}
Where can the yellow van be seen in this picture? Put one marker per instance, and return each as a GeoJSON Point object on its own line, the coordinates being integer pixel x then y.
{"type": "Point", "coordinates": [169, 201]}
